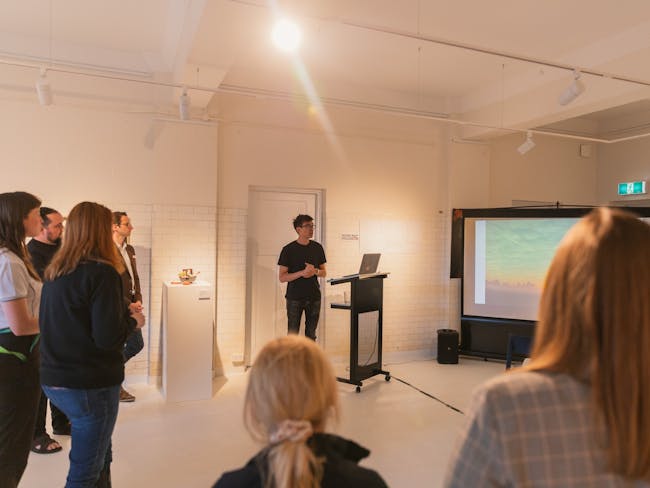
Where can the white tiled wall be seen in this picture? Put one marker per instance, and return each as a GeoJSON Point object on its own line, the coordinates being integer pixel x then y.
{"type": "Point", "coordinates": [182, 237]}
{"type": "Point", "coordinates": [416, 293]}
{"type": "Point", "coordinates": [231, 288]}
{"type": "Point", "coordinates": [167, 238]}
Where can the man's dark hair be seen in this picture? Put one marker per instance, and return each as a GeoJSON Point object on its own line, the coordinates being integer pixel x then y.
{"type": "Point", "coordinates": [301, 219]}
{"type": "Point", "coordinates": [45, 215]}
{"type": "Point", "coordinates": [117, 217]}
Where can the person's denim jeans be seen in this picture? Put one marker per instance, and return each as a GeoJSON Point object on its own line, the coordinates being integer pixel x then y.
{"type": "Point", "coordinates": [93, 413]}
{"type": "Point", "coordinates": [311, 308]}
{"type": "Point", "coordinates": [134, 344]}
{"type": "Point", "coordinates": [59, 420]}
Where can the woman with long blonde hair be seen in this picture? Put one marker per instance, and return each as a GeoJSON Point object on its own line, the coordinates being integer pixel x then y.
{"type": "Point", "coordinates": [579, 413]}
{"type": "Point", "coordinates": [290, 400]}
{"type": "Point", "coordinates": [20, 292]}
{"type": "Point", "coordinates": [84, 322]}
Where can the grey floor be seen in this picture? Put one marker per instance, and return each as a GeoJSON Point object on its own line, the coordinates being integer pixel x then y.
{"type": "Point", "coordinates": [190, 444]}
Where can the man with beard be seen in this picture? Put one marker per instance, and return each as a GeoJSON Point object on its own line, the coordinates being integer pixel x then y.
{"type": "Point", "coordinates": [41, 249]}
{"type": "Point", "coordinates": [122, 229]}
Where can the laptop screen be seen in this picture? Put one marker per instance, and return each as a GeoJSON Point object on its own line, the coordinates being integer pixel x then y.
{"type": "Point", "coordinates": [369, 263]}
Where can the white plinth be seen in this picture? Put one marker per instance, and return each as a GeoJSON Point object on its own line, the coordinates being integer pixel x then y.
{"type": "Point", "coordinates": [187, 312]}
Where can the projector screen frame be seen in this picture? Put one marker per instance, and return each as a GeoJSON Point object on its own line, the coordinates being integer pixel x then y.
{"type": "Point", "coordinates": [487, 337]}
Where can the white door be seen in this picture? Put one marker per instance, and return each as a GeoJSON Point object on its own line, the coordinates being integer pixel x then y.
{"type": "Point", "coordinates": [270, 217]}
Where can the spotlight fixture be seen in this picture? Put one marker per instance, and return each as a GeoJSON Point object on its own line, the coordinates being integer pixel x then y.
{"type": "Point", "coordinates": [184, 105]}
{"type": "Point", "coordinates": [572, 91]}
{"type": "Point", "coordinates": [286, 35]}
{"type": "Point", "coordinates": [43, 89]}
{"type": "Point", "coordinates": [527, 145]}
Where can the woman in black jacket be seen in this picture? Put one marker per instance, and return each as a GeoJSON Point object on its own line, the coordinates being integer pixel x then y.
{"type": "Point", "coordinates": [84, 323]}
{"type": "Point", "coordinates": [290, 398]}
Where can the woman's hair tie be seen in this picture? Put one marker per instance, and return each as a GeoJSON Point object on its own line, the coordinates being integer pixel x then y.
{"type": "Point", "coordinates": [292, 430]}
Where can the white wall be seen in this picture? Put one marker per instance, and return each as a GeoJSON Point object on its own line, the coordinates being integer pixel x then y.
{"type": "Point", "coordinates": [469, 175]}
{"type": "Point", "coordinates": [622, 162]}
{"type": "Point", "coordinates": [368, 181]}
{"type": "Point", "coordinates": [552, 171]}
{"type": "Point", "coordinates": [67, 154]}
{"type": "Point", "coordinates": [401, 175]}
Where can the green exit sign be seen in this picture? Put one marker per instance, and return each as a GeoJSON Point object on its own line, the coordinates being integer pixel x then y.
{"type": "Point", "coordinates": [632, 188]}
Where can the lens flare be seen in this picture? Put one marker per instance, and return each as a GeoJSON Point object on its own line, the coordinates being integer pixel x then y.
{"type": "Point", "coordinates": [286, 35]}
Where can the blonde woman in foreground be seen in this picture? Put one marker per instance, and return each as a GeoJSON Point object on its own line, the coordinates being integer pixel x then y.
{"type": "Point", "coordinates": [291, 396]}
{"type": "Point", "coordinates": [579, 413]}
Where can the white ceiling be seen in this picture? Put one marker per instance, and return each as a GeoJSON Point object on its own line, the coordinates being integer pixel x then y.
{"type": "Point", "coordinates": [375, 54]}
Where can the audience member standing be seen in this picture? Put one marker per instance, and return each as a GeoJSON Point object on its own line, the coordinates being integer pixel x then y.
{"type": "Point", "coordinates": [290, 399]}
{"type": "Point", "coordinates": [48, 241]}
{"type": "Point", "coordinates": [579, 413]}
{"type": "Point", "coordinates": [41, 250]}
{"type": "Point", "coordinates": [122, 229]}
{"type": "Point", "coordinates": [20, 292]}
{"type": "Point", "coordinates": [84, 323]}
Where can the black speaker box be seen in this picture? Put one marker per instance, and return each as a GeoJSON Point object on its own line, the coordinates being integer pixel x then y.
{"type": "Point", "coordinates": [447, 346]}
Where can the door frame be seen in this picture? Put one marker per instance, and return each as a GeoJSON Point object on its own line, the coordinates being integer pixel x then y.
{"type": "Point", "coordinates": [319, 236]}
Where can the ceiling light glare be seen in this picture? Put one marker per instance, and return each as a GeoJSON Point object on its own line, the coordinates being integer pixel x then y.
{"type": "Point", "coordinates": [286, 35]}
{"type": "Point", "coordinates": [527, 145]}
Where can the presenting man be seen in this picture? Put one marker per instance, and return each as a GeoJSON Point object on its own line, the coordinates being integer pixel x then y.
{"type": "Point", "coordinates": [301, 263]}
{"type": "Point", "coordinates": [41, 250]}
{"type": "Point", "coordinates": [122, 229]}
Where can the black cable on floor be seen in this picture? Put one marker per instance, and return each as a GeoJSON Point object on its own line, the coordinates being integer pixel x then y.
{"type": "Point", "coordinates": [428, 394]}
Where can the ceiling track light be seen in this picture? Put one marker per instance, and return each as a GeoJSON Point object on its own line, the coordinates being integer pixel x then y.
{"type": "Point", "coordinates": [184, 105]}
{"type": "Point", "coordinates": [527, 145]}
{"type": "Point", "coordinates": [572, 91]}
{"type": "Point", "coordinates": [44, 89]}
{"type": "Point", "coordinates": [335, 102]}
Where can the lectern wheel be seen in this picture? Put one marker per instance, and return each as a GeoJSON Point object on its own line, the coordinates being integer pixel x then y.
{"type": "Point", "coordinates": [358, 389]}
{"type": "Point", "coordinates": [387, 377]}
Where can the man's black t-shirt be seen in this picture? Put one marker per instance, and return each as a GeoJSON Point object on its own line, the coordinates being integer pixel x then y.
{"type": "Point", "coordinates": [294, 256]}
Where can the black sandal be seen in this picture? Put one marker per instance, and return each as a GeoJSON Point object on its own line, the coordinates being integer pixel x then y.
{"type": "Point", "coordinates": [43, 445]}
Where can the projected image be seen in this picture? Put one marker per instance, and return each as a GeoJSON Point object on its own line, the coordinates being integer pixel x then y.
{"type": "Point", "coordinates": [518, 253]}
{"type": "Point", "coordinates": [510, 258]}
{"type": "Point", "coordinates": [505, 260]}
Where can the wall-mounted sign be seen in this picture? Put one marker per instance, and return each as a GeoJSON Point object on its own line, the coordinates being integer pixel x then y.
{"type": "Point", "coordinates": [631, 188]}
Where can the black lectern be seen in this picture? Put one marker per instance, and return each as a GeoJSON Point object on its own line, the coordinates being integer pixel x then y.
{"type": "Point", "coordinates": [366, 297]}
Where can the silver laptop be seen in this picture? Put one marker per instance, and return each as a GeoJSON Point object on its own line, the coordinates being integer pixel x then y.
{"type": "Point", "coordinates": [369, 265]}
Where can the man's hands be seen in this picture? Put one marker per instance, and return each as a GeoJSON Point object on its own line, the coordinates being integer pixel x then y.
{"type": "Point", "coordinates": [136, 312]}
{"type": "Point", "coordinates": [135, 307]}
{"type": "Point", "coordinates": [309, 271]}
